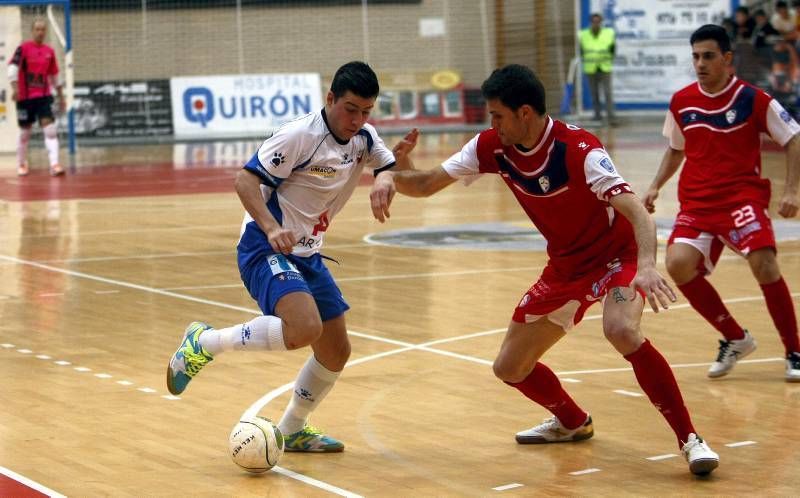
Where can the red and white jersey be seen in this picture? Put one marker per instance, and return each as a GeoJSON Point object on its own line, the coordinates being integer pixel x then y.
{"type": "Point", "coordinates": [36, 64]}
{"type": "Point", "coordinates": [720, 135]}
{"type": "Point", "coordinates": [563, 184]}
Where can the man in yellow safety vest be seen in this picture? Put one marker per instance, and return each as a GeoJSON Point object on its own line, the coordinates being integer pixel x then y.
{"type": "Point", "coordinates": [598, 45]}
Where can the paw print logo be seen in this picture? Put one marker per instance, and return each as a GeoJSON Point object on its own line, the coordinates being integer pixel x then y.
{"type": "Point", "coordinates": [277, 159]}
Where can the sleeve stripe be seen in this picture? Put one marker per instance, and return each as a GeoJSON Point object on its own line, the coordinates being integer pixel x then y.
{"type": "Point", "coordinates": [389, 166]}
{"type": "Point", "coordinates": [254, 166]}
{"type": "Point", "coordinates": [620, 188]}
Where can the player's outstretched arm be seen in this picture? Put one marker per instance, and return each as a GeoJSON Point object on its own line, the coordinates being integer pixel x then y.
{"type": "Point", "coordinates": [413, 183]}
{"type": "Point", "coordinates": [790, 201]}
{"type": "Point", "coordinates": [669, 165]}
{"type": "Point", "coordinates": [248, 186]}
{"type": "Point", "coordinates": [648, 279]}
{"type": "Point", "coordinates": [403, 148]}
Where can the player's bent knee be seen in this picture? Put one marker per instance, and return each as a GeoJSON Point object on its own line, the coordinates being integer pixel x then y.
{"type": "Point", "coordinates": [682, 270]}
{"type": "Point", "coordinates": [510, 372]}
{"type": "Point", "coordinates": [625, 337]}
{"type": "Point", "coordinates": [302, 331]}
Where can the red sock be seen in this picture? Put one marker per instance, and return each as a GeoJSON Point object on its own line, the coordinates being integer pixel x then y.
{"type": "Point", "coordinates": [656, 379]}
{"type": "Point", "coordinates": [543, 387]}
{"type": "Point", "coordinates": [704, 298]}
{"type": "Point", "coordinates": [781, 309]}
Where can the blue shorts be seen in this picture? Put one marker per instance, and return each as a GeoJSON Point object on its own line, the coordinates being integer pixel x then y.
{"type": "Point", "coordinates": [268, 276]}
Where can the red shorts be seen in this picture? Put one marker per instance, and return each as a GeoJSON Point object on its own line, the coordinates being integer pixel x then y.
{"type": "Point", "coordinates": [564, 301]}
{"type": "Point", "coordinates": [745, 229]}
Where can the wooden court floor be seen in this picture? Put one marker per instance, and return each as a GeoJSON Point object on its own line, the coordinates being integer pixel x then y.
{"type": "Point", "coordinates": [95, 291]}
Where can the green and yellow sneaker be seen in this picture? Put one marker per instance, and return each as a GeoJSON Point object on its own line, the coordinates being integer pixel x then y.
{"type": "Point", "coordinates": [311, 440]}
{"type": "Point", "coordinates": [189, 359]}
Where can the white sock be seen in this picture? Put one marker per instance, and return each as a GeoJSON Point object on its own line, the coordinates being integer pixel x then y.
{"type": "Point", "coordinates": [260, 333]}
{"type": "Point", "coordinates": [22, 145]}
{"type": "Point", "coordinates": [51, 142]}
{"type": "Point", "coordinates": [312, 385]}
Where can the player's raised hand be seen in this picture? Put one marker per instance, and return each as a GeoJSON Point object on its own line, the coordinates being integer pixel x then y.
{"type": "Point", "coordinates": [381, 195]}
{"type": "Point", "coordinates": [406, 145]}
{"type": "Point", "coordinates": [282, 240]}
{"type": "Point", "coordinates": [655, 287]}
{"type": "Point", "coordinates": [649, 200]}
{"type": "Point", "coordinates": [789, 205]}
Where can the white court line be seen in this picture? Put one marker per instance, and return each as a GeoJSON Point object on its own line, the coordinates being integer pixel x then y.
{"type": "Point", "coordinates": [31, 484]}
{"type": "Point", "coordinates": [628, 393]}
{"type": "Point", "coordinates": [582, 472]}
{"type": "Point", "coordinates": [315, 482]}
{"type": "Point", "coordinates": [661, 457]}
{"type": "Point", "coordinates": [741, 443]}
{"type": "Point", "coordinates": [508, 486]}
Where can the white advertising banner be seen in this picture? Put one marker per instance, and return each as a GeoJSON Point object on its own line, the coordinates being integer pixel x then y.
{"type": "Point", "coordinates": [241, 105]}
{"type": "Point", "coordinates": [10, 38]}
{"type": "Point", "coordinates": [654, 58]}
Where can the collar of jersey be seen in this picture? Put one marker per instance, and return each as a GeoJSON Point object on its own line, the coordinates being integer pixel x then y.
{"type": "Point", "coordinates": [546, 133]}
{"type": "Point", "coordinates": [730, 84]}
{"type": "Point", "coordinates": [338, 140]}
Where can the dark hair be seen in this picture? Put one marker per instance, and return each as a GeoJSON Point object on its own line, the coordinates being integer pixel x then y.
{"type": "Point", "coordinates": [781, 4]}
{"type": "Point", "coordinates": [760, 12]}
{"type": "Point", "coordinates": [596, 14]}
{"type": "Point", "coordinates": [515, 85]}
{"type": "Point", "coordinates": [712, 32]}
{"type": "Point", "coordinates": [744, 10]}
{"type": "Point", "coordinates": [356, 77]}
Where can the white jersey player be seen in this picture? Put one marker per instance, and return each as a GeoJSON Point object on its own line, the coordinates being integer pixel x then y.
{"type": "Point", "coordinates": [308, 174]}
{"type": "Point", "coordinates": [292, 188]}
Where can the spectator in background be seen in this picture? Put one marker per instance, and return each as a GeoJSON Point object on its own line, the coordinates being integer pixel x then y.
{"type": "Point", "coordinates": [730, 28]}
{"type": "Point", "coordinates": [764, 33]}
{"type": "Point", "coordinates": [598, 46]}
{"type": "Point", "coordinates": [744, 23]}
{"type": "Point", "coordinates": [785, 20]}
{"type": "Point", "coordinates": [785, 74]}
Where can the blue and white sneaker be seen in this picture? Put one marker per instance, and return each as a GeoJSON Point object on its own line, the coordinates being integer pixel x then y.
{"type": "Point", "coordinates": [311, 440]}
{"type": "Point", "coordinates": [189, 359]}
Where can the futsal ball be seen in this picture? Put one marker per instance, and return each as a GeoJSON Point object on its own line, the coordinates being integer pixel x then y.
{"type": "Point", "coordinates": [256, 444]}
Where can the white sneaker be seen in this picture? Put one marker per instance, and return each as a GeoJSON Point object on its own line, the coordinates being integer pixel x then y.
{"type": "Point", "coordinates": [793, 367]}
{"type": "Point", "coordinates": [729, 353]}
{"type": "Point", "coordinates": [700, 457]}
{"type": "Point", "coordinates": [551, 431]}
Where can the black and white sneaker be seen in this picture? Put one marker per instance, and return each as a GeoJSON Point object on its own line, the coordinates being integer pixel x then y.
{"type": "Point", "coordinates": [793, 367]}
{"type": "Point", "coordinates": [729, 353]}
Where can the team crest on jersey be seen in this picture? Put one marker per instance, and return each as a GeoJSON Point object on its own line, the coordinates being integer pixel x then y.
{"type": "Point", "coordinates": [785, 116]}
{"type": "Point", "coordinates": [544, 182]}
{"type": "Point", "coordinates": [346, 159]}
{"type": "Point", "coordinates": [277, 159]}
{"type": "Point", "coordinates": [730, 116]}
{"type": "Point", "coordinates": [322, 171]}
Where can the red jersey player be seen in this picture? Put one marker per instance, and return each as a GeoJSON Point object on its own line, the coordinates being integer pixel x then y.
{"type": "Point", "coordinates": [601, 244]}
{"type": "Point", "coordinates": [32, 71]}
{"type": "Point", "coordinates": [716, 124]}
